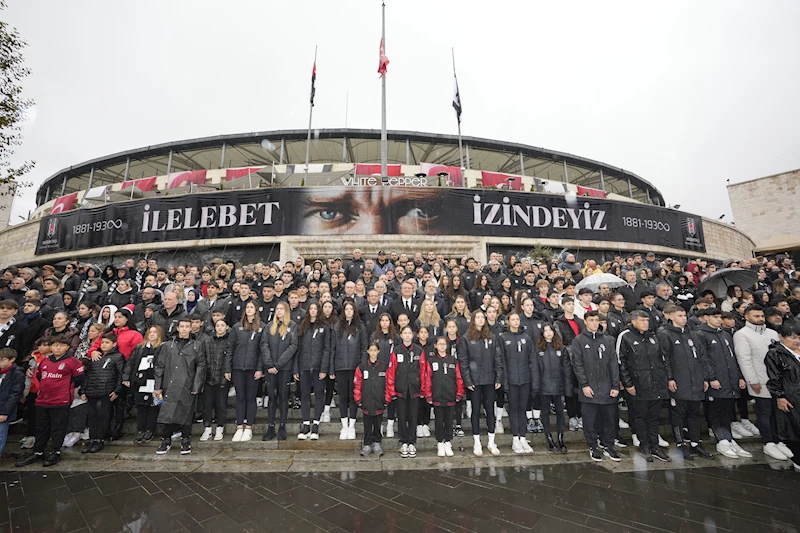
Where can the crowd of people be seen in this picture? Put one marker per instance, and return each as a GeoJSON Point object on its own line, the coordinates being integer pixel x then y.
{"type": "Point", "coordinates": [409, 338]}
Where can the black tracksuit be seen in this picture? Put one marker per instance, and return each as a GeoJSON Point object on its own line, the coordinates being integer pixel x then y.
{"type": "Point", "coordinates": [520, 376]}
{"type": "Point", "coordinates": [555, 371]}
{"type": "Point", "coordinates": [595, 365]}
{"type": "Point", "coordinates": [408, 365]}
{"type": "Point", "coordinates": [313, 346]}
{"type": "Point", "coordinates": [372, 392]}
{"type": "Point", "coordinates": [481, 367]}
{"type": "Point", "coordinates": [721, 366]}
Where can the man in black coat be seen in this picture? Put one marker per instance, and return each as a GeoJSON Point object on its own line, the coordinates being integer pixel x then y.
{"type": "Point", "coordinates": [648, 305]}
{"type": "Point", "coordinates": [33, 323]}
{"type": "Point", "coordinates": [355, 267]}
{"type": "Point", "coordinates": [11, 331]}
{"type": "Point", "coordinates": [405, 304]}
{"type": "Point", "coordinates": [371, 311]}
{"type": "Point", "coordinates": [644, 375]}
{"type": "Point", "coordinates": [632, 291]}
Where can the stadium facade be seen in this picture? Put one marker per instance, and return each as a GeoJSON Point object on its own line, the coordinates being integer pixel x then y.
{"type": "Point", "coordinates": [250, 197]}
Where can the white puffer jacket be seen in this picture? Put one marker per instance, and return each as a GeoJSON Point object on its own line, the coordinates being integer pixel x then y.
{"type": "Point", "coordinates": [751, 344]}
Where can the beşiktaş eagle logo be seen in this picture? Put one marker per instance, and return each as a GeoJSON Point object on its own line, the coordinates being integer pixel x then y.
{"type": "Point", "coordinates": [52, 226]}
{"type": "Point", "coordinates": [691, 227]}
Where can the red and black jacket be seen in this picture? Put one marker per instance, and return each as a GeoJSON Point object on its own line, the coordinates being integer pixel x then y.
{"type": "Point", "coordinates": [373, 386]}
{"type": "Point", "coordinates": [442, 383]}
{"type": "Point", "coordinates": [407, 369]}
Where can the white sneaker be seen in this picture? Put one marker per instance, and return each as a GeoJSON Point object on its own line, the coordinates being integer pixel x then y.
{"type": "Point", "coordinates": [498, 427]}
{"type": "Point", "coordinates": [724, 447]}
{"type": "Point", "coordinates": [404, 450]}
{"type": "Point", "coordinates": [206, 435]}
{"type": "Point", "coordinates": [326, 417]}
{"type": "Point", "coordinates": [177, 435]}
{"type": "Point", "coordinates": [265, 401]}
{"type": "Point", "coordinates": [426, 431]}
{"type": "Point", "coordinates": [741, 452]}
{"type": "Point", "coordinates": [390, 429]}
{"type": "Point", "coordinates": [785, 450]}
{"type": "Point", "coordinates": [448, 449]}
{"type": "Point", "coordinates": [237, 437]}
{"type": "Point", "coordinates": [662, 443]}
{"type": "Point", "coordinates": [85, 434]}
{"type": "Point", "coordinates": [623, 424]}
{"type": "Point", "coordinates": [477, 449]}
{"type": "Point", "coordinates": [220, 431]}
{"type": "Point", "coordinates": [735, 434]}
{"type": "Point", "coordinates": [493, 449]}
{"type": "Point", "coordinates": [351, 431]}
{"type": "Point", "coordinates": [259, 402]}
{"type": "Point", "coordinates": [412, 451]}
{"type": "Point", "coordinates": [526, 447]}
{"type": "Point", "coordinates": [737, 427]}
{"type": "Point", "coordinates": [420, 434]}
{"type": "Point", "coordinates": [440, 449]}
{"type": "Point", "coordinates": [580, 422]}
{"type": "Point", "coordinates": [343, 434]}
{"type": "Point", "coordinates": [28, 442]}
{"type": "Point", "coordinates": [247, 434]}
{"type": "Point", "coordinates": [636, 440]}
{"type": "Point", "coordinates": [231, 393]}
{"type": "Point", "coordinates": [516, 446]}
{"type": "Point", "coordinates": [772, 450]}
{"type": "Point", "coordinates": [749, 426]}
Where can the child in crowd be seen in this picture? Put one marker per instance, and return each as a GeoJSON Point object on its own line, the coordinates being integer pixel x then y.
{"type": "Point", "coordinates": [58, 375]}
{"type": "Point", "coordinates": [41, 352]}
{"type": "Point", "coordinates": [12, 385]}
{"type": "Point", "coordinates": [443, 388]}
{"type": "Point", "coordinates": [140, 377]}
{"type": "Point", "coordinates": [102, 386]}
{"type": "Point", "coordinates": [407, 372]}
{"type": "Point", "coordinates": [425, 342]}
{"type": "Point", "coordinates": [373, 391]}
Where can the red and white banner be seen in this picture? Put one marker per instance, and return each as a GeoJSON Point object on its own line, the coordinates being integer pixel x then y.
{"type": "Point", "coordinates": [432, 169]}
{"type": "Point", "coordinates": [594, 193]}
{"type": "Point", "coordinates": [144, 184]}
{"type": "Point", "coordinates": [494, 179]}
{"type": "Point", "coordinates": [383, 61]}
{"type": "Point", "coordinates": [234, 173]}
{"type": "Point", "coordinates": [182, 179]}
{"type": "Point", "coordinates": [64, 203]}
{"type": "Point", "coordinates": [375, 170]}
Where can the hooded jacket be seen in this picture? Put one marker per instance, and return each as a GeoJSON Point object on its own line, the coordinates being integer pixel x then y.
{"type": "Point", "coordinates": [243, 351]}
{"type": "Point", "coordinates": [180, 367]}
{"type": "Point", "coordinates": [481, 362]}
{"type": "Point", "coordinates": [684, 353]}
{"type": "Point", "coordinates": [520, 366]}
{"type": "Point", "coordinates": [751, 344]}
{"type": "Point", "coordinates": [127, 339]}
{"type": "Point", "coordinates": [595, 364]}
{"type": "Point", "coordinates": [347, 350]}
{"type": "Point", "coordinates": [641, 364]}
{"type": "Point", "coordinates": [721, 362]}
{"type": "Point", "coordinates": [313, 347]}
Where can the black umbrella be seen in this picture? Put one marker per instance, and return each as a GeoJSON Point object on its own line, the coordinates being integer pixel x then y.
{"type": "Point", "coordinates": [719, 281]}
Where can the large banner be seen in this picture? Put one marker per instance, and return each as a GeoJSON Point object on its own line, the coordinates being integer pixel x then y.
{"type": "Point", "coordinates": [368, 211]}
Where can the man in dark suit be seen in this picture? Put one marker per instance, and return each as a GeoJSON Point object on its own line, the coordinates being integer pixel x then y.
{"type": "Point", "coordinates": [430, 294]}
{"type": "Point", "coordinates": [406, 303]}
{"type": "Point", "coordinates": [371, 311]}
{"type": "Point", "coordinates": [383, 297]}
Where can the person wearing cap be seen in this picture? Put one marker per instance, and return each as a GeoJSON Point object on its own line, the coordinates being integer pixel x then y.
{"type": "Point", "coordinates": [651, 263]}
{"type": "Point", "coordinates": [656, 317]}
{"type": "Point", "coordinates": [382, 263]}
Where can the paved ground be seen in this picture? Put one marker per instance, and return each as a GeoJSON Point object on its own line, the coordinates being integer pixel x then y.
{"type": "Point", "coordinates": [550, 497]}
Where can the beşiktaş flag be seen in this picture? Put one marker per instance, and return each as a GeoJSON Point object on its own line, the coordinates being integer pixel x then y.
{"type": "Point", "coordinates": [456, 99]}
{"type": "Point", "coordinates": [313, 81]}
{"type": "Point", "coordinates": [383, 61]}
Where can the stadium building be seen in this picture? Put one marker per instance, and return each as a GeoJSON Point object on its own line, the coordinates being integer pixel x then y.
{"type": "Point", "coordinates": [250, 198]}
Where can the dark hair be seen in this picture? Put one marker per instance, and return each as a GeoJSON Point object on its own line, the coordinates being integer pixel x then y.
{"type": "Point", "coordinates": [597, 314]}
{"type": "Point", "coordinates": [9, 304]}
{"type": "Point", "coordinates": [59, 339]}
{"type": "Point", "coordinates": [45, 340]}
{"type": "Point", "coordinates": [8, 353]}
{"type": "Point", "coordinates": [354, 325]}
{"type": "Point", "coordinates": [541, 343]}
{"type": "Point", "coordinates": [379, 331]}
{"type": "Point", "coordinates": [566, 299]}
{"type": "Point", "coordinates": [754, 307]}
{"type": "Point", "coordinates": [728, 315]}
{"type": "Point", "coordinates": [789, 328]}
{"type": "Point", "coordinates": [375, 344]}
{"type": "Point", "coordinates": [473, 333]}
{"type": "Point", "coordinates": [185, 319]}
{"type": "Point", "coordinates": [585, 290]}
{"type": "Point", "coordinates": [306, 322]}
{"type": "Point", "coordinates": [110, 336]}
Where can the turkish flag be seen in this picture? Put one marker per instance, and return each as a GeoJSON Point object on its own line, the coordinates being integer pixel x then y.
{"type": "Point", "coordinates": [234, 173]}
{"type": "Point", "coordinates": [383, 61]}
{"type": "Point", "coordinates": [431, 169]}
{"type": "Point", "coordinates": [180, 179]}
{"type": "Point", "coordinates": [64, 203]}
{"type": "Point", "coordinates": [594, 193]}
{"type": "Point", "coordinates": [144, 184]}
{"type": "Point", "coordinates": [375, 170]}
{"type": "Point", "coordinates": [493, 179]}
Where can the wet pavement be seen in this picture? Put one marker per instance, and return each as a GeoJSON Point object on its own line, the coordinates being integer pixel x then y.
{"type": "Point", "coordinates": [559, 497]}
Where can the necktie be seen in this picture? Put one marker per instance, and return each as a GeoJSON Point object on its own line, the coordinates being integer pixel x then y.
{"type": "Point", "coordinates": [408, 305]}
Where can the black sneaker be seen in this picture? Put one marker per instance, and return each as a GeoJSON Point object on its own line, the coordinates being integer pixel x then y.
{"type": "Point", "coordinates": [139, 438]}
{"type": "Point", "coordinates": [646, 454]}
{"type": "Point", "coordinates": [32, 458]}
{"type": "Point", "coordinates": [52, 459]}
{"type": "Point", "coordinates": [87, 448]}
{"type": "Point", "coordinates": [186, 446]}
{"type": "Point", "coordinates": [166, 444]}
{"type": "Point", "coordinates": [595, 454]}
{"type": "Point", "coordinates": [148, 436]}
{"type": "Point", "coordinates": [612, 454]}
{"type": "Point", "coordinates": [656, 453]}
{"type": "Point", "coordinates": [270, 434]}
{"type": "Point", "coordinates": [281, 432]}
{"type": "Point", "coordinates": [98, 446]}
{"type": "Point", "coordinates": [699, 450]}
{"type": "Point", "coordinates": [687, 453]}
{"type": "Point", "coordinates": [458, 432]}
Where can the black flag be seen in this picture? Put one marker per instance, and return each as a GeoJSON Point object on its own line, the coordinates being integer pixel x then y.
{"type": "Point", "coordinates": [456, 99]}
{"type": "Point", "coordinates": [313, 80]}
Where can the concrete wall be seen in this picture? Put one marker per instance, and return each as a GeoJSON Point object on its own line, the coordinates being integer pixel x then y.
{"type": "Point", "coordinates": [767, 206]}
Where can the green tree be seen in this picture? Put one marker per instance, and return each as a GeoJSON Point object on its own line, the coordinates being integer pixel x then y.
{"type": "Point", "coordinates": [12, 105]}
{"type": "Point", "coordinates": [541, 254]}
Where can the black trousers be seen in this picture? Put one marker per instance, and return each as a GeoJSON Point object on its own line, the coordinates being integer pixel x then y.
{"type": "Point", "coordinates": [573, 404]}
{"type": "Point", "coordinates": [169, 429]}
{"type": "Point", "coordinates": [391, 410]}
{"type": "Point", "coordinates": [741, 405]}
{"type": "Point", "coordinates": [599, 415]}
{"type": "Point", "coordinates": [765, 419]}
{"type": "Point", "coordinates": [30, 414]}
{"type": "Point", "coordinates": [483, 395]}
{"type": "Point", "coordinates": [278, 391]}
{"type": "Point", "coordinates": [320, 393]}
{"type": "Point", "coordinates": [407, 411]}
{"type": "Point", "coordinates": [99, 417]}
{"type": "Point", "coordinates": [443, 428]}
{"type": "Point", "coordinates": [458, 412]}
{"type": "Point", "coordinates": [51, 422]}
{"type": "Point", "coordinates": [534, 403]}
{"type": "Point", "coordinates": [558, 402]}
{"type": "Point", "coordinates": [517, 402]}
{"type": "Point", "coordinates": [215, 399]}
{"type": "Point", "coordinates": [794, 446]}
{"type": "Point", "coordinates": [346, 386]}
{"type": "Point", "coordinates": [309, 379]}
{"type": "Point", "coordinates": [630, 401]}
{"type": "Point", "coordinates": [146, 417]}
{"type": "Point", "coordinates": [119, 409]}
{"type": "Point", "coordinates": [720, 412]}
{"type": "Point", "coordinates": [372, 429]}
{"type": "Point", "coordinates": [424, 414]}
{"type": "Point", "coordinates": [246, 388]}
{"type": "Point", "coordinates": [689, 413]}
{"type": "Point", "coordinates": [647, 415]}
{"type": "Point", "coordinates": [500, 397]}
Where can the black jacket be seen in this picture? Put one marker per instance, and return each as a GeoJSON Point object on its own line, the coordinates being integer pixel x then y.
{"type": "Point", "coordinates": [103, 376]}
{"type": "Point", "coordinates": [347, 350]}
{"type": "Point", "coordinates": [443, 384]}
{"type": "Point", "coordinates": [461, 321]}
{"type": "Point", "coordinates": [595, 364]}
{"type": "Point", "coordinates": [565, 330]}
{"type": "Point", "coordinates": [657, 320]}
{"type": "Point", "coordinates": [721, 363]}
{"type": "Point", "coordinates": [386, 343]}
{"type": "Point", "coordinates": [520, 366]}
{"type": "Point", "coordinates": [180, 368]}
{"type": "Point", "coordinates": [397, 307]}
{"type": "Point", "coordinates": [532, 324]}
{"type": "Point", "coordinates": [313, 347]}
{"type": "Point", "coordinates": [138, 373]}
{"type": "Point", "coordinates": [354, 269]}
{"type": "Point", "coordinates": [633, 296]}
{"type": "Point", "coordinates": [370, 389]}
{"type": "Point", "coordinates": [369, 319]}
{"type": "Point", "coordinates": [12, 385]}
{"type": "Point", "coordinates": [684, 353]}
{"type": "Point", "coordinates": [616, 322]}
{"type": "Point", "coordinates": [278, 351]}
{"type": "Point", "coordinates": [13, 338]}
{"type": "Point", "coordinates": [243, 351]}
{"type": "Point", "coordinates": [481, 362]}
{"type": "Point", "coordinates": [641, 364]}
{"type": "Point", "coordinates": [783, 370]}
{"type": "Point", "coordinates": [408, 364]}
{"type": "Point", "coordinates": [169, 321]}
{"type": "Point", "coordinates": [555, 371]}
{"type": "Point", "coordinates": [215, 359]}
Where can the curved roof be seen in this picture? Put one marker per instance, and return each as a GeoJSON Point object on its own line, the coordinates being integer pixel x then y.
{"type": "Point", "coordinates": [350, 146]}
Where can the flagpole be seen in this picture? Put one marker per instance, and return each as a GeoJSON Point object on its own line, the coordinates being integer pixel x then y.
{"type": "Point", "coordinates": [458, 117]}
{"type": "Point", "coordinates": [384, 145]}
{"type": "Point", "coordinates": [310, 112]}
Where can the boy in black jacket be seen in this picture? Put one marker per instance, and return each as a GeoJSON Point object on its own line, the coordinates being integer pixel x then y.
{"type": "Point", "coordinates": [373, 392]}
{"type": "Point", "coordinates": [12, 384]}
{"type": "Point", "coordinates": [102, 386]}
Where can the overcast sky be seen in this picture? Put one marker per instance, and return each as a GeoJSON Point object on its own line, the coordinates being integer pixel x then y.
{"type": "Point", "coordinates": [685, 94]}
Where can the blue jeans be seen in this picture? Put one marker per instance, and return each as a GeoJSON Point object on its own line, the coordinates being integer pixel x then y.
{"type": "Point", "coordinates": [3, 435]}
